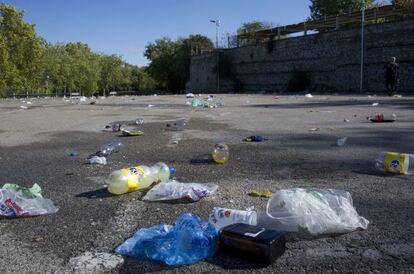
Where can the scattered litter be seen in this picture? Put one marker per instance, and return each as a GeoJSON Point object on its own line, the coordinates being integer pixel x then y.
{"type": "Point", "coordinates": [397, 96]}
{"type": "Point", "coordinates": [315, 129]}
{"type": "Point", "coordinates": [319, 211]}
{"type": "Point", "coordinates": [189, 95]}
{"type": "Point", "coordinates": [16, 201]}
{"type": "Point", "coordinates": [209, 103]}
{"type": "Point", "coordinates": [221, 217]}
{"type": "Point", "coordinates": [264, 194]}
{"type": "Point", "coordinates": [256, 138]}
{"type": "Point", "coordinates": [221, 153]}
{"type": "Point", "coordinates": [375, 104]}
{"type": "Point", "coordinates": [393, 162]}
{"type": "Point", "coordinates": [189, 241]}
{"type": "Point", "coordinates": [150, 106]}
{"type": "Point", "coordinates": [177, 125]}
{"type": "Point", "coordinates": [341, 141]}
{"type": "Point", "coordinates": [346, 120]}
{"type": "Point", "coordinates": [72, 153]}
{"type": "Point", "coordinates": [23, 107]}
{"type": "Point", "coordinates": [130, 131]}
{"type": "Point", "coordinates": [97, 160]}
{"type": "Point", "coordinates": [83, 99]}
{"type": "Point", "coordinates": [29, 103]}
{"type": "Point", "coordinates": [381, 118]}
{"type": "Point", "coordinates": [264, 245]}
{"type": "Point", "coordinates": [116, 126]}
{"type": "Point", "coordinates": [32, 192]}
{"type": "Point", "coordinates": [92, 103]}
{"type": "Point", "coordinates": [308, 95]}
{"type": "Point", "coordinates": [134, 178]}
{"type": "Point", "coordinates": [108, 149]}
{"type": "Point", "coordinates": [173, 190]}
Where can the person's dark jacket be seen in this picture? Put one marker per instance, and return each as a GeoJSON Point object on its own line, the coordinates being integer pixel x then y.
{"type": "Point", "coordinates": [392, 72]}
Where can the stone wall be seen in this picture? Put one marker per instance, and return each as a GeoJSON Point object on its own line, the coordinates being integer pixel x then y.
{"type": "Point", "coordinates": [331, 62]}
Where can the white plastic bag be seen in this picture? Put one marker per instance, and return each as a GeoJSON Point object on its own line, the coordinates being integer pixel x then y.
{"type": "Point", "coordinates": [319, 211]}
{"type": "Point", "coordinates": [173, 190]}
{"type": "Point", "coordinates": [15, 204]}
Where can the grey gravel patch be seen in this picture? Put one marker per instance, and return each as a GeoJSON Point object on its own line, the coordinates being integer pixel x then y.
{"type": "Point", "coordinates": [371, 254]}
{"type": "Point", "coordinates": [402, 251]}
{"type": "Point", "coordinates": [90, 262]}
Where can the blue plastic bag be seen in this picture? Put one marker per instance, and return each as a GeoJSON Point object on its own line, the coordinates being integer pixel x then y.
{"type": "Point", "coordinates": [189, 241]}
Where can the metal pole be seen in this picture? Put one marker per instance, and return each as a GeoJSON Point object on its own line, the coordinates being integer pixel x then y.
{"type": "Point", "coordinates": [362, 46]}
{"type": "Point", "coordinates": [218, 57]}
{"type": "Point", "coordinates": [217, 23]}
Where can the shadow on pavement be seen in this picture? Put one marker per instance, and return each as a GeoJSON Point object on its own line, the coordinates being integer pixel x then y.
{"type": "Point", "coordinates": [95, 194]}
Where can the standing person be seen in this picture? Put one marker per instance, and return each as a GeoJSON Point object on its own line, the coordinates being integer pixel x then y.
{"type": "Point", "coordinates": [392, 76]}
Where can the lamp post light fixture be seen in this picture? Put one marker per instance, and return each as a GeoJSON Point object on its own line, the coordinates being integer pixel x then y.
{"type": "Point", "coordinates": [217, 23]}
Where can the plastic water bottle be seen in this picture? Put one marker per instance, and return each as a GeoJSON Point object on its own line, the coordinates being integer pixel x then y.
{"type": "Point", "coordinates": [220, 153]}
{"type": "Point", "coordinates": [130, 179]}
{"type": "Point", "coordinates": [177, 125]}
{"type": "Point", "coordinates": [110, 148]}
{"type": "Point", "coordinates": [394, 162]}
{"type": "Point", "coordinates": [381, 118]}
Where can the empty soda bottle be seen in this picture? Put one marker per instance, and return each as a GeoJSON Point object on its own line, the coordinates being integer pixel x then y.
{"type": "Point", "coordinates": [381, 118]}
{"type": "Point", "coordinates": [220, 153]}
{"type": "Point", "coordinates": [393, 162]}
{"type": "Point", "coordinates": [139, 177]}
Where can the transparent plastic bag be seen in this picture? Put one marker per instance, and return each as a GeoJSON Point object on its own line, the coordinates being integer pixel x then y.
{"type": "Point", "coordinates": [189, 241]}
{"type": "Point", "coordinates": [173, 190]}
{"type": "Point", "coordinates": [17, 204]}
{"type": "Point", "coordinates": [320, 211]}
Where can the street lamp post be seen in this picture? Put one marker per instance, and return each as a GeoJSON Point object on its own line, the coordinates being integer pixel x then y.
{"type": "Point", "coordinates": [362, 47]}
{"type": "Point", "coordinates": [217, 23]}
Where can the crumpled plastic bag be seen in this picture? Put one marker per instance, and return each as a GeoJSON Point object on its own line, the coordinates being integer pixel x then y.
{"type": "Point", "coordinates": [96, 160]}
{"type": "Point", "coordinates": [17, 201]}
{"type": "Point", "coordinates": [32, 192]}
{"type": "Point", "coordinates": [189, 241]}
{"type": "Point", "coordinates": [173, 190]}
{"type": "Point", "coordinates": [320, 211]}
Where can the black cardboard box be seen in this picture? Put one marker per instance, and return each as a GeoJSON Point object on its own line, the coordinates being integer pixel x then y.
{"type": "Point", "coordinates": [252, 242]}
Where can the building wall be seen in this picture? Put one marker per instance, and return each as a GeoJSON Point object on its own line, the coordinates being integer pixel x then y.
{"type": "Point", "coordinates": [330, 60]}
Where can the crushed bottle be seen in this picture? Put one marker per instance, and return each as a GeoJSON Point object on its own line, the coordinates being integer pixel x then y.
{"type": "Point", "coordinates": [393, 162]}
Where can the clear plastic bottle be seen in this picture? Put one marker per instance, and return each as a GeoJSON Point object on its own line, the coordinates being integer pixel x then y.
{"type": "Point", "coordinates": [110, 148]}
{"type": "Point", "coordinates": [381, 118]}
{"type": "Point", "coordinates": [130, 179]}
{"type": "Point", "coordinates": [177, 125]}
{"type": "Point", "coordinates": [220, 153]}
{"type": "Point", "coordinates": [394, 162]}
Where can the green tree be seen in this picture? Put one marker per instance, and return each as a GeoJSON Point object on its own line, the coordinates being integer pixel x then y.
{"type": "Point", "coordinates": [141, 80]}
{"type": "Point", "coordinates": [321, 8]}
{"type": "Point", "coordinates": [170, 60]}
{"type": "Point", "coordinates": [112, 74]}
{"type": "Point", "coordinates": [162, 54]}
{"type": "Point", "coordinates": [247, 32]}
{"type": "Point", "coordinates": [21, 50]}
{"type": "Point", "coordinates": [84, 69]}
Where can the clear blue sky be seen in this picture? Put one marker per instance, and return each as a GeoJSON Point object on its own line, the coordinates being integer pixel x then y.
{"type": "Point", "coordinates": [125, 27]}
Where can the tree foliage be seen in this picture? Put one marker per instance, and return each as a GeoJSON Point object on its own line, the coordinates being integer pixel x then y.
{"type": "Point", "coordinates": [407, 4]}
{"type": "Point", "coordinates": [170, 60]}
{"type": "Point", "coordinates": [321, 8]}
{"type": "Point", "coordinates": [248, 31]}
{"type": "Point", "coordinates": [30, 64]}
